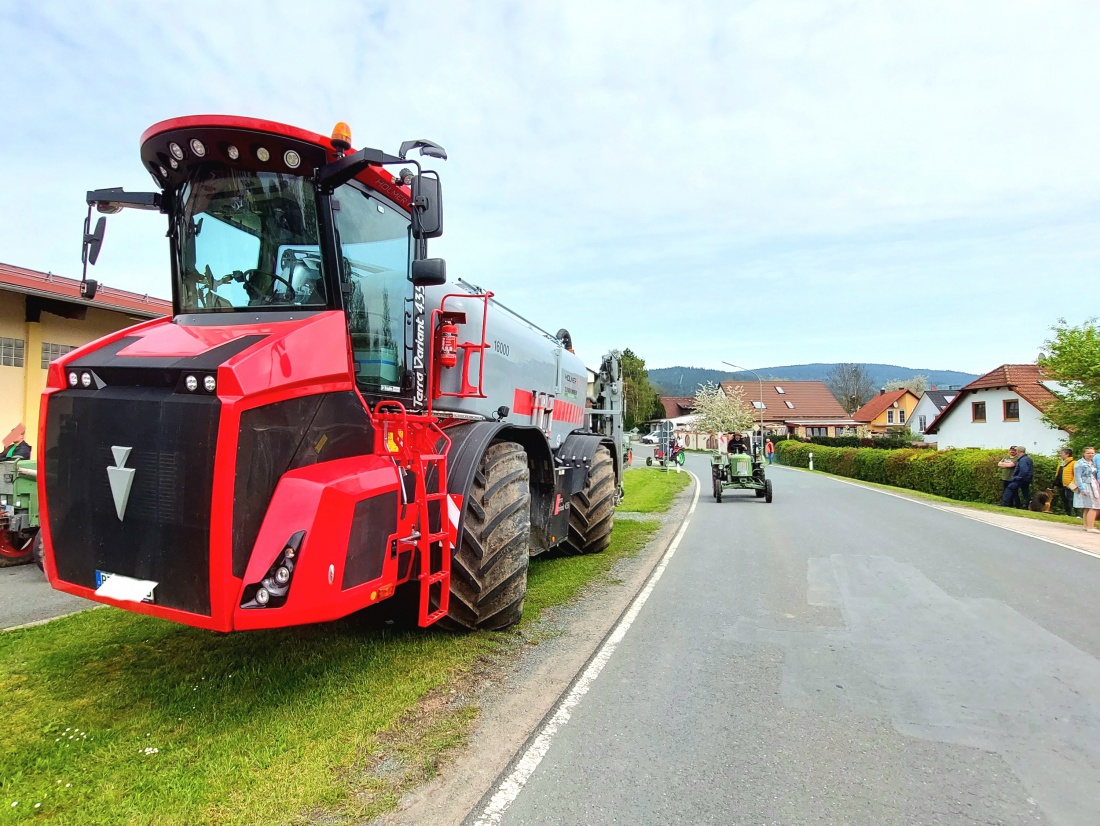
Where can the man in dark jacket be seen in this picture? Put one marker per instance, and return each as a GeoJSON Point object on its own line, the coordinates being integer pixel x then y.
{"type": "Point", "coordinates": [15, 446]}
{"type": "Point", "coordinates": [1020, 481]}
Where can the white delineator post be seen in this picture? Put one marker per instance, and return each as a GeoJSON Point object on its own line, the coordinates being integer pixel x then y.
{"type": "Point", "coordinates": [811, 460]}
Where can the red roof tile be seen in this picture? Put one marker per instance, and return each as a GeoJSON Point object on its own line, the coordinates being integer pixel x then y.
{"type": "Point", "coordinates": [31, 282]}
{"type": "Point", "coordinates": [1022, 378]}
{"type": "Point", "coordinates": [676, 406]}
{"type": "Point", "coordinates": [799, 399]}
{"type": "Point", "coordinates": [870, 411]}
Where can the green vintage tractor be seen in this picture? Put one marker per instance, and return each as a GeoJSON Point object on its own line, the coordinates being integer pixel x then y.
{"type": "Point", "coordinates": [739, 471]}
{"type": "Point", "coordinates": [19, 537]}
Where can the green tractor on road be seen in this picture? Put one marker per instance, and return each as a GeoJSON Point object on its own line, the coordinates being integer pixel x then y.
{"type": "Point", "coordinates": [739, 471]}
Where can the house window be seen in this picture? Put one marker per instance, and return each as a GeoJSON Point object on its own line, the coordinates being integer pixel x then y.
{"type": "Point", "coordinates": [11, 352]}
{"type": "Point", "coordinates": [839, 431]}
{"type": "Point", "coordinates": [977, 411]}
{"type": "Point", "coordinates": [889, 417]}
{"type": "Point", "coordinates": [53, 351]}
{"type": "Point", "coordinates": [789, 404]}
{"type": "Point", "coordinates": [1012, 410]}
{"type": "Point", "coordinates": [817, 431]}
{"type": "Point", "coordinates": [922, 423]}
{"type": "Point", "coordinates": [901, 417]}
{"type": "Point", "coordinates": [759, 405]}
{"type": "Point", "coordinates": [779, 390]}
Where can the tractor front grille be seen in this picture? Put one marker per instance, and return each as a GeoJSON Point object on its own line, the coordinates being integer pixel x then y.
{"type": "Point", "coordinates": [164, 532]}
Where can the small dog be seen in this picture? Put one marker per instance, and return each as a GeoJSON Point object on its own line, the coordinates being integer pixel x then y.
{"type": "Point", "coordinates": [1042, 500]}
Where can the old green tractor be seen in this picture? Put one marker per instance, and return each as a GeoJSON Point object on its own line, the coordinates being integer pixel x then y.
{"type": "Point", "coordinates": [739, 471]}
{"type": "Point", "coordinates": [19, 537]}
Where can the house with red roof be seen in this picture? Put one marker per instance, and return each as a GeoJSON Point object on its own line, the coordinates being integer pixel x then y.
{"type": "Point", "coordinates": [1004, 407]}
{"type": "Point", "coordinates": [888, 411]}
{"type": "Point", "coordinates": [799, 408]}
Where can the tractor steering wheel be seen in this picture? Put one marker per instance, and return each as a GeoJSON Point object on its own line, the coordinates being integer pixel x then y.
{"type": "Point", "coordinates": [249, 278]}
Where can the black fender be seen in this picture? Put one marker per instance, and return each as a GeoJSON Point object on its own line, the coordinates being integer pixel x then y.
{"type": "Point", "coordinates": [577, 452]}
{"type": "Point", "coordinates": [468, 444]}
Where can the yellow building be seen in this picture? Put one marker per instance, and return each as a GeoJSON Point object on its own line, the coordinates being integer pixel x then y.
{"type": "Point", "coordinates": [888, 412]}
{"type": "Point", "coordinates": [43, 316]}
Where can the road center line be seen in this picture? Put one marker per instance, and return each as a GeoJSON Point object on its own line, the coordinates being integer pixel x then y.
{"type": "Point", "coordinates": [513, 784]}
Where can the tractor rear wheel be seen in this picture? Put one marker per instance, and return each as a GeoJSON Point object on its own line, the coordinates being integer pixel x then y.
{"type": "Point", "coordinates": [10, 555]}
{"type": "Point", "coordinates": [489, 568]}
{"type": "Point", "coordinates": [592, 511]}
{"type": "Point", "coordinates": [768, 490]}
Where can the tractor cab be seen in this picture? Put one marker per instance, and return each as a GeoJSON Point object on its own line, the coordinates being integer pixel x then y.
{"type": "Point", "coordinates": [269, 219]}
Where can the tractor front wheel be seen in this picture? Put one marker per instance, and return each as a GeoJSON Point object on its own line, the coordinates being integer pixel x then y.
{"type": "Point", "coordinates": [717, 489]}
{"type": "Point", "coordinates": [681, 457]}
{"type": "Point", "coordinates": [649, 461]}
{"type": "Point", "coordinates": [489, 568]}
{"type": "Point", "coordinates": [592, 511]}
{"type": "Point", "coordinates": [768, 490]}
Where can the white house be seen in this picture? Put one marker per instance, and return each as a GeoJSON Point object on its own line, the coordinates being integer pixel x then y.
{"type": "Point", "coordinates": [1003, 407]}
{"type": "Point", "coordinates": [931, 403]}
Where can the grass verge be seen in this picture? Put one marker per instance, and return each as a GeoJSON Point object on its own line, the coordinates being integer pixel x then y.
{"type": "Point", "coordinates": [111, 717]}
{"type": "Point", "coordinates": [651, 490]}
{"type": "Point", "coordinates": [943, 500]}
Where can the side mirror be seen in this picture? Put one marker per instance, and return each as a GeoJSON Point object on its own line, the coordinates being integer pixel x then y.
{"type": "Point", "coordinates": [429, 272]}
{"type": "Point", "coordinates": [427, 203]}
{"type": "Point", "coordinates": [93, 240]}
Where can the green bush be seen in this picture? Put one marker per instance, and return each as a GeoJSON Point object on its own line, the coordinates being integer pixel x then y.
{"type": "Point", "coordinates": [969, 475]}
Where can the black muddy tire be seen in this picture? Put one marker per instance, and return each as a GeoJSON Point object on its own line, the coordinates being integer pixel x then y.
{"type": "Point", "coordinates": [489, 568]}
{"type": "Point", "coordinates": [592, 511]}
{"type": "Point", "coordinates": [38, 549]}
{"type": "Point", "coordinates": [768, 491]}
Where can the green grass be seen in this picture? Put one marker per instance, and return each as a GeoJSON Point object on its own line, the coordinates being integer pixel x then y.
{"type": "Point", "coordinates": [977, 506]}
{"type": "Point", "coordinates": [331, 722]}
{"type": "Point", "coordinates": [651, 490]}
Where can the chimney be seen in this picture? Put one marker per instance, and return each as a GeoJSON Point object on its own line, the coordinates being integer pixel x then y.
{"type": "Point", "coordinates": [882, 391]}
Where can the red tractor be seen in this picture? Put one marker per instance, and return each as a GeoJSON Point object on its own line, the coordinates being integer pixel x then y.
{"type": "Point", "coordinates": [321, 421]}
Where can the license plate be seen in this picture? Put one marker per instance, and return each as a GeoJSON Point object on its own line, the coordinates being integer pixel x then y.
{"type": "Point", "coordinates": [122, 587]}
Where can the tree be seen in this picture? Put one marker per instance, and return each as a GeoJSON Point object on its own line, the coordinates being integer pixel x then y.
{"type": "Point", "coordinates": [718, 412]}
{"type": "Point", "coordinates": [641, 402]}
{"type": "Point", "coordinates": [851, 385]}
{"type": "Point", "coordinates": [918, 384]}
{"type": "Point", "coordinates": [1072, 358]}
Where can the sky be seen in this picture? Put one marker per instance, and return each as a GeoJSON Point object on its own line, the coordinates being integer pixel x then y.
{"type": "Point", "coordinates": [763, 183]}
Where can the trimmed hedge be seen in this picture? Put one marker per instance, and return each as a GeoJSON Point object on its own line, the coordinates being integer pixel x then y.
{"type": "Point", "coordinates": [969, 475]}
{"type": "Point", "coordinates": [879, 442]}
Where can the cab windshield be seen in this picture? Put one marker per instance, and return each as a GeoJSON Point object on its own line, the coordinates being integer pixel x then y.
{"type": "Point", "coordinates": [247, 239]}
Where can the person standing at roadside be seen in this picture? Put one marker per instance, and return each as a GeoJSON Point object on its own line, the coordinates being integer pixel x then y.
{"type": "Point", "coordinates": [1062, 479]}
{"type": "Point", "coordinates": [769, 451]}
{"type": "Point", "coordinates": [1020, 481]}
{"type": "Point", "coordinates": [1087, 495]}
{"type": "Point", "coordinates": [1008, 467]}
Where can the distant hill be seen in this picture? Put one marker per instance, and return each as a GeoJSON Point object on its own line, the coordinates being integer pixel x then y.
{"type": "Point", "coordinates": [682, 381]}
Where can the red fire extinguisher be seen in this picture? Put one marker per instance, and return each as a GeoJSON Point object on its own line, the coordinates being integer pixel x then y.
{"type": "Point", "coordinates": [448, 343]}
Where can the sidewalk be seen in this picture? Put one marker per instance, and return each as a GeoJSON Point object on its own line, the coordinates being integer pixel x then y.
{"type": "Point", "coordinates": [1071, 536]}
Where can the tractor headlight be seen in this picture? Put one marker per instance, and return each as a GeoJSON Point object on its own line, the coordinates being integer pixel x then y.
{"type": "Point", "coordinates": [74, 379]}
{"type": "Point", "coordinates": [209, 384]}
{"type": "Point", "coordinates": [191, 383]}
{"type": "Point", "coordinates": [85, 379]}
{"type": "Point", "coordinates": [271, 591]}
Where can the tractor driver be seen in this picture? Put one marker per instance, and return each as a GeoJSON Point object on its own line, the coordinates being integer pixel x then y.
{"type": "Point", "coordinates": [737, 444]}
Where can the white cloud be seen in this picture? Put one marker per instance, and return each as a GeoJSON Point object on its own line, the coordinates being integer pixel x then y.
{"type": "Point", "coordinates": [892, 176]}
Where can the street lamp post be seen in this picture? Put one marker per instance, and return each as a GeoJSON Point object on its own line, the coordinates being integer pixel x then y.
{"type": "Point", "coordinates": [760, 381]}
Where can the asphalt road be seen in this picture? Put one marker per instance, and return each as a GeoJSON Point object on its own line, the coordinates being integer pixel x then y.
{"type": "Point", "coordinates": [26, 596]}
{"type": "Point", "coordinates": [841, 656]}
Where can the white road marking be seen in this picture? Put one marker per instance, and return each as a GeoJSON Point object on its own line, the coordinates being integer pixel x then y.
{"type": "Point", "coordinates": [955, 509]}
{"type": "Point", "coordinates": [513, 784]}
